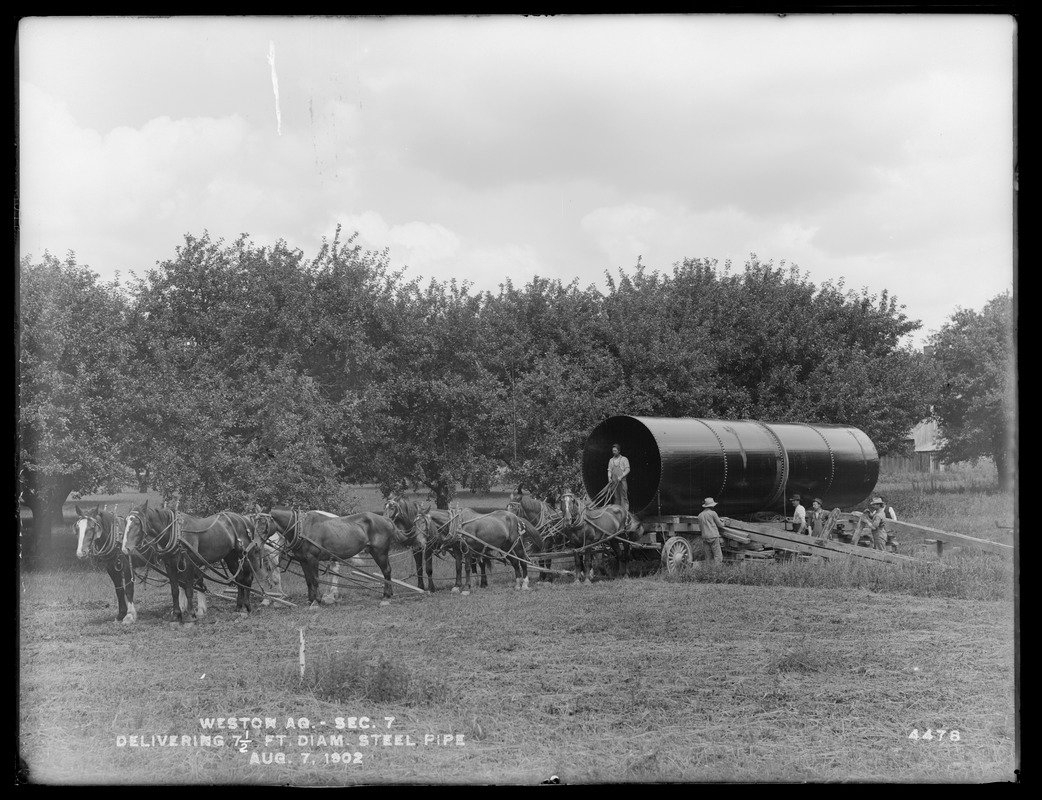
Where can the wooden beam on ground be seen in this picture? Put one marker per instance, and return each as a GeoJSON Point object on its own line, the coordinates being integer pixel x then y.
{"type": "Point", "coordinates": [380, 578]}
{"type": "Point", "coordinates": [225, 596]}
{"type": "Point", "coordinates": [775, 537]}
{"type": "Point", "coordinates": [953, 538]}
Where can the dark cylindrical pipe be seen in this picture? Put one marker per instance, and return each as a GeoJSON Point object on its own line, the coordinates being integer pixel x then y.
{"type": "Point", "coordinates": [745, 465]}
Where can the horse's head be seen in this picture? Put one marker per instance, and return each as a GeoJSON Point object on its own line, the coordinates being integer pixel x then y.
{"type": "Point", "coordinates": [88, 530]}
{"type": "Point", "coordinates": [141, 523]}
{"type": "Point", "coordinates": [428, 531]}
{"type": "Point", "coordinates": [570, 507]}
{"type": "Point", "coordinates": [264, 524]}
{"type": "Point", "coordinates": [634, 527]}
{"type": "Point", "coordinates": [253, 548]}
{"type": "Point", "coordinates": [402, 512]}
{"type": "Point", "coordinates": [422, 527]}
{"type": "Point", "coordinates": [393, 509]}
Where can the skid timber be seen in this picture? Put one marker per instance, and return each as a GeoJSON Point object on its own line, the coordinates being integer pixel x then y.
{"type": "Point", "coordinates": [770, 535]}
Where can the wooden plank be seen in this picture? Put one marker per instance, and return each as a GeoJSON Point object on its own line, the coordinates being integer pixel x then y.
{"type": "Point", "coordinates": [225, 596]}
{"type": "Point", "coordinates": [953, 538]}
{"type": "Point", "coordinates": [672, 526]}
{"type": "Point", "coordinates": [379, 578]}
{"type": "Point", "coordinates": [768, 534]}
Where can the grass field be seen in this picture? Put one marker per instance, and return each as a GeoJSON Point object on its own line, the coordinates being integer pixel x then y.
{"type": "Point", "coordinates": [765, 673]}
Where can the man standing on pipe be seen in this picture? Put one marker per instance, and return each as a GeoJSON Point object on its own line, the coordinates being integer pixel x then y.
{"type": "Point", "coordinates": [618, 469]}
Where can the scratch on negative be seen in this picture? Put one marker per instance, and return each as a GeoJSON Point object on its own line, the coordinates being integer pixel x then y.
{"type": "Point", "coordinates": [275, 86]}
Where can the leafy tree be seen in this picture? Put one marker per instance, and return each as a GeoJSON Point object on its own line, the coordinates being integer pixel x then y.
{"type": "Point", "coordinates": [660, 343]}
{"type": "Point", "coordinates": [238, 404]}
{"type": "Point", "coordinates": [555, 406]}
{"type": "Point", "coordinates": [438, 422]}
{"type": "Point", "coordinates": [786, 350]}
{"type": "Point", "coordinates": [73, 386]}
{"type": "Point", "coordinates": [976, 406]}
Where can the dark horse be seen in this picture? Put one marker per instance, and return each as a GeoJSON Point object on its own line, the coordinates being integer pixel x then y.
{"type": "Point", "coordinates": [587, 526]}
{"type": "Point", "coordinates": [189, 546]}
{"type": "Point", "coordinates": [99, 535]}
{"type": "Point", "coordinates": [466, 534]}
{"type": "Point", "coordinates": [311, 537]}
{"type": "Point", "coordinates": [547, 519]}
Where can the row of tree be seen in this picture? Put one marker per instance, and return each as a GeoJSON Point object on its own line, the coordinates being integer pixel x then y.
{"type": "Point", "coordinates": [241, 373]}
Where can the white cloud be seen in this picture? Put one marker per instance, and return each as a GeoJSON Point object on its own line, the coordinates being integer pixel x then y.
{"type": "Point", "coordinates": [876, 149]}
{"type": "Point", "coordinates": [417, 244]}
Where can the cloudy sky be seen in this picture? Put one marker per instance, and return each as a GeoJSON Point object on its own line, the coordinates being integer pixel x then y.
{"type": "Point", "coordinates": [874, 149]}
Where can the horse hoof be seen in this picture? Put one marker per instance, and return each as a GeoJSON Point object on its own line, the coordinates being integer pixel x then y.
{"type": "Point", "coordinates": [466, 593]}
{"type": "Point", "coordinates": [314, 605]}
{"type": "Point", "coordinates": [328, 601]}
{"type": "Point", "coordinates": [456, 589]}
{"type": "Point", "coordinates": [265, 602]}
{"type": "Point", "coordinates": [385, 602]}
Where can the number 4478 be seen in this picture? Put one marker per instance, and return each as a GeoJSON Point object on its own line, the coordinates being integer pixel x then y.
{"type": "Point", "coordinates": [934, 735]}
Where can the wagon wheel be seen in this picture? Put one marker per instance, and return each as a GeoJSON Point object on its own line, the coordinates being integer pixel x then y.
{"type": "Point", "coordinates": [677, 555]}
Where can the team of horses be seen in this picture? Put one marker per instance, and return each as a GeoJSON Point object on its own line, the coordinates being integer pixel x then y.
{"type": "Point", "coordinates": [233, 549]}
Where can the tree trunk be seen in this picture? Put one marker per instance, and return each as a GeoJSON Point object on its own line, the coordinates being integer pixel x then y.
{"type": "Point", "coordinates": [45, 497]}
{"type": "Point", "coordinates": [144, 475]}
{"type": "Point", "coordinates": [1002, 467]}
{"type": "Point", "coordinates": [442, 494]}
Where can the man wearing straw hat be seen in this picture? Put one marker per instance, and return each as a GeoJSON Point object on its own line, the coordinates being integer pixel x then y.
{"type": "Point", "coordinates": [875, 520]}
{"type": "Point", "coordinates": [799, 515]}
{"type": "Point", "coordinates": [710, 525]}
{"type": "Point", "coordinates": [618, 469]}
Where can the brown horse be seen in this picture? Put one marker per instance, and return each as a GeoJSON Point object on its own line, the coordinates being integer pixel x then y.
{"type": "Point", "coordinates": [404, 513]}
{"type": "Point", "coordinates": [312, 537]}
{"type": "Point", "coordinates": [469, 537]}
{"type": "Point", "coordinates": [99, 535]}
{"type": "Point", "coordinates": [587, 526]}
{"type": "Point", "coordinates": [547, 520]}
{"type": "Point", "coordinates": [463, 531]}
{"type": "Point", "coordinates": [189, 547]}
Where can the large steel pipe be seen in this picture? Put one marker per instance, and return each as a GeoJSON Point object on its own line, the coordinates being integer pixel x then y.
{"type": "Point", "coordinates": [745, 465]}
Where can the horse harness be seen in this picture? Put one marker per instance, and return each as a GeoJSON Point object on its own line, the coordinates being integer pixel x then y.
{"type": "Point", "coordinates": [453, 534]}
{"type": "Point", "coordinates": [174, 533]}
{"type": "Point", "coordinates": [548, 528]}
{"type": "Point", "coordinates": [584, 519]}
{"type": "Point", "coordinates": [112, 545]}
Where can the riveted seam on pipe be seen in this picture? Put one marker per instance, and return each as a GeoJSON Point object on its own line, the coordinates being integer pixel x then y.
{"type": "Point", "coordinates": [783, 461]}
{"type": "Point", "coordinates": [832, 455]}
{"type": "Point", "coordinates": [723, 451]}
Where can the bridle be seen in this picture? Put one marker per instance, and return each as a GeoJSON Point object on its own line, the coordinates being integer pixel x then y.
{"type": "Point", "coordinates": [97, 529]}
{"type": "Point", "coordinates": [170, 532]}
{"type": "Point", "coordinates": [292, 535]}
{"type": "Point", "coordinates": [568, 503]}
{"type": "Point", "coordinates": [393, 511]}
